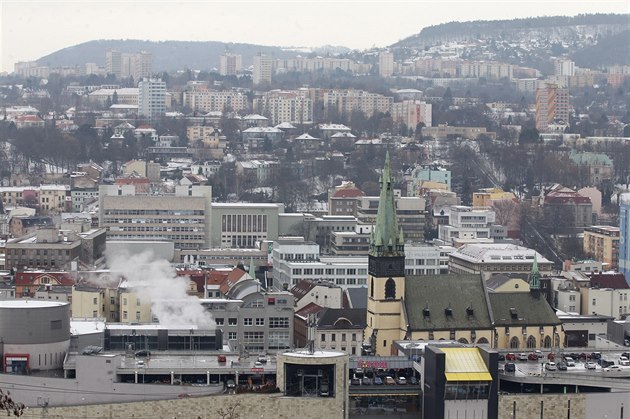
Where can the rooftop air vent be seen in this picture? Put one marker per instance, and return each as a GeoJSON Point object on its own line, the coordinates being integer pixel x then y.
{"type": "Point", "coordinates": [513, 313]}
{"type": "Point", "coordinates": [469, 311]}
{"type": "Point", "coordinates": [426, 313]}
{"type": "Point", "coordinates": [448, 311]}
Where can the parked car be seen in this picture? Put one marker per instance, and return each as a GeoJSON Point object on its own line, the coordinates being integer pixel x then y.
{"type": "Point", "coordinates": [613, 368]}
{"type": "Point", "coordinates": [510, 357]}
{"type": "Point", "coordinates": [355, 381]}
{"type": "Point", "coordinates": [569, 361]}
{"type": "Point", "coordinates": [144, 353]}
{"type": "Point", "coordinates": [262, 359]}
{"type": "Point", "coordinates": [561, 366]}
{"type": "Point", "coordinates": [551, 356]}
{"type": "Point", "coordinates": [538, 353]}
{"type": "Point", "coordinates": [522, 356]}
{"type": "Point", "coordinates": [389, 380]}
{"type": "Point", "coordinates": [532, 357]}
{"type": "Point", "coordinates": [596, 355]}
{"type": "Point", "coordinates": [624, 360]}
{"type": "Point", "coordinates": [401, 380]}
{"type": "Point", "coordinates": [258, 364]}
{"type": "Point", "coordinates": [378, 381]}
{"type": "Point", "coordinates": [230, 384]}
{"type": "Point", "coordinates": [510, 367]}
{"type": "Point", "coordinates": [584, 356]}
{"type": "Point", "coordinates": [221, 359]}
{"type": "Point", "coordinates": [551, 366]}
{"type": "Point", "coordinates": [413, 381]}
{"type": "Point", "coordinates": [590, 365]}
{"type": "Point", "coordinates": [501, 357]}
{"type": "Point", "coordinates": [366, 381]}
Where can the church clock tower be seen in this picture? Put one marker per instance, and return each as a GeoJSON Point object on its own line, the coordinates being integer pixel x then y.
{"type": "Point", "coordinates": [386, 272]}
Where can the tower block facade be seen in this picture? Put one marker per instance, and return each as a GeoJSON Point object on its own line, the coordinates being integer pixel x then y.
{"type": "Point", "coordinates": [386, 272]}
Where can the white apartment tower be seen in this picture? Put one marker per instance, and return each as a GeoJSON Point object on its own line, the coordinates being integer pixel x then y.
{"type": "Point", "coordinates": [152, 98]}
{"type": "Point", "coordinates": [263, 67]}
{"type": "Point", "coordinates": [386, 64]}
{"type": "Point", "coordinates": [113, 62]}
{"type": "Point", "coordinates": [230, 64]}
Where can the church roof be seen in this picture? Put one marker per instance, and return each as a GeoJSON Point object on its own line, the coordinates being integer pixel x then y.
{"type": "Point", "coordinates": [521, 309]}
{"type": "Point", "coordinates": [429, 298]}
{"type": "Point", "coordinates": [387, 240]}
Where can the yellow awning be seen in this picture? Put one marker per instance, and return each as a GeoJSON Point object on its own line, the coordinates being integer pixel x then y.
{"type": "Point", "coordinates": [465, 364]}
{"type": "Point", "coordinates": [468, 376]}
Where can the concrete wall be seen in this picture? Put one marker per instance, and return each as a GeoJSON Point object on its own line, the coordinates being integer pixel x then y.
{"type": "Point", "coordinates": [554, 406]}
{"type": "Point", "coordinates": [248, 406]}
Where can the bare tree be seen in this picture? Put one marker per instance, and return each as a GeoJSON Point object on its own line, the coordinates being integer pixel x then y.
{"type": "Point", "coordinates": [230, 411]}
{"type": "Point", "coordinates": [9, 405]}
{"type": "Point", "coordinates": [508, 213]}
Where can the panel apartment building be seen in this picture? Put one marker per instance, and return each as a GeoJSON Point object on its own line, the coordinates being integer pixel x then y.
{"type": "Point", "coordinates": [182, 217]}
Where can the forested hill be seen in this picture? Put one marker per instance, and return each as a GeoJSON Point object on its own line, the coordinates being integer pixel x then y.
{"type": "Point", "coordinates": [167, 55]}
{"type": "Point", "coordinates": [552, 26]}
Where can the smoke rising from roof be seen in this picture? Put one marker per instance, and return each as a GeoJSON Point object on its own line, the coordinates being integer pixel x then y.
{"type": "Point", "coordinates": [154, 280]}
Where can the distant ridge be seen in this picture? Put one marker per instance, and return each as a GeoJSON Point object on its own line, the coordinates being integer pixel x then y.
{"type": "Point", "coordinates": [167, 55]}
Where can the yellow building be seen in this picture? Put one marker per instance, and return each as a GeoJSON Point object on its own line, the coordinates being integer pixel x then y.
{"type": "Point", "coordinates": [487, 196]}
{"type": "Point", "coordinates": [602, 243]}
{"type": "Point", "coordinates": [507, 283]}
{"type": "Point", "coordinates": [93, 302]}
{"type": "Point", "coordinates": [134, 309]}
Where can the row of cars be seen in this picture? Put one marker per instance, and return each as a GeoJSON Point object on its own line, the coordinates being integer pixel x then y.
{"type": "Point", "coordinates": [551, 356]}
{"type": "Point", "coordinates": [388, 380]}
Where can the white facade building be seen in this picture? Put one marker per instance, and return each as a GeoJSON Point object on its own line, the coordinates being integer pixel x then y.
{"type": "Point", "coordinates": [152, 98]}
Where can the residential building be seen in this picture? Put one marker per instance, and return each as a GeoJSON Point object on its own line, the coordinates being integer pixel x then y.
{"type": "Point", "coordinates": [386, 64]}
{"type": "Point", "coordinates": [420, 174]}
{"type": "Point", "coordinates": [444, 132]}
{"type": "Point", "coordinates": [322, 293]}
{"type": "Point", "coordinates": [493, 258]}
{"type": "Point", "coordinates": [552, 106]}
{"type": "Point", "coordinates": [566, 211]}
{"type": "Point", "coordinates": [152, 98]}
{"type": "Point", "coordinates": [182, 217]}
{"type": "Point", "coordinates": [133, 308]}
{"type": "Point", "coordinates": [342, 200]}
{"type": "Point", "coordinates": [27, 282]}
{"type": "Point", "coordinates": [470, 225]}
{"type": "Point", "coordinates": [263, 69]}
{"type": "Point", "coordinates": [563, 67]}
{"type": "Point", "coordinates": [344, 102]}
{"type": "Point", "coordinates": [46, 198]}
{"type": "Point", "coordinates": [203, 99]}
{"type": "Point", "coordinates": [624, 235]}
{"type": "Point", "coordinates": [123, 65]}
{"type": "Point", "coordinates": [280, 106]}
{"type": "Point", "coordinates": [253, 320]}
{"type": "Point", "coordinates": [210, 137]}
{"type": "Point", "coordinates": [412, 112]}
{"type": "Point", "coordinates": [602, 243]}
{"type": "Point", "coordinates": [126, 96]}
{"type": "Point", "coordinates": [52, 248]}
{"type": "Point", "coordinates": [230, 64]}
{"type": "Point", "coordinates": [113, 62]}
{"type": "Point", "coordinates": [94, 302]}
{"type": "Point", "coordinates": [338, 329]}
{"type": "Point", "coordinates": [611, 302]}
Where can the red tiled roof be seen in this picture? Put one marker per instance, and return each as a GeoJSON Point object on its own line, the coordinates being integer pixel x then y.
{"type": "Point", "coordinates": [131, 180]}
{"type": "Point", "coordinates": [231, 279]}
{"type": "Point", "coordinates": [348, 193]}
{"type": "Point", "coordinates": [558, 197]}
{"type": "Point", "coordinates": [29, 278]}
{"type": "Point", "coordinates": [614, 281]}
{"type": "Point", "coordinates": [302, 288]}
{"type": "Point", "coordinates": [308, 309]}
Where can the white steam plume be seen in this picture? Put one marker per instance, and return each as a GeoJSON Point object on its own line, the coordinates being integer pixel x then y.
{"type": "Point", "coordinates": [155, 280]}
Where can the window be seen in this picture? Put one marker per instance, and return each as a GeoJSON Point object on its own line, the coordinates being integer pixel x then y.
{"type": "Point", "coordinates": [232, 321]}
{"type": "Point", "coordinates": [248, 322]}
{"type": "Point", "coordinates": [594, 301]}
{"type": "Point", "coordinates": [112, 300]}
{"type": "Point", "coordinates": [343, 337]}
{"type": "Point", "coordinates": [278, 323]}
{"type": "Point", "coordinates": [354, 337]}
{"type": "Point", "coordinates": [138, 315]}
{"type": "Point", "coordinates": [333, 337]}
{"type": "Point", "coordinates": [232, 336]}
{"type": "Point", "coordinates": [219, 321]}
{"type": "Point", "coordinates": [94, 301]}
{"type": "Point", "coordinates": [323, 337]}
{"type": "Point", "coordinates": [124, 315]}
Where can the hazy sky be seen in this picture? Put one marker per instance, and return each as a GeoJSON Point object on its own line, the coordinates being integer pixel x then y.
{"type": "Point", "coordinates": [30, 29]}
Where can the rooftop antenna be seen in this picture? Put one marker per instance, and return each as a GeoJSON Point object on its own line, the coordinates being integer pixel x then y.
{"type": "Point", "coordinates": [311, 332]}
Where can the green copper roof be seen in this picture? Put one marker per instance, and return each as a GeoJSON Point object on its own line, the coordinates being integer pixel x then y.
{"type": "Point", "coordinates": [534, 276]}
{"type": "Point", "coordinates": [387, 238]}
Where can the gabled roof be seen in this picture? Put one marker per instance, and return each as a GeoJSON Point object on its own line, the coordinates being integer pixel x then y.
{"type": "Point", "coordinates": [357, 297]}
{"type": "Point", "coordinates": [437, 293]}
{"type": "Point", "coordinates": [521, 309]}
{"type": "Point", "coordinates": [348, 193]}
{"type": "Point", "coordinates": [302, 288]}
{"type": "Point", "coordinates": [308, 309]}
{"type": "Point", "coordinates": [342, 318]}
{"type": "Point", "coordinates": [604, 280]}
{"type": "Point", "coordinates": [498, 280]}
{"type": "Point", "coordinates": [233, 277]}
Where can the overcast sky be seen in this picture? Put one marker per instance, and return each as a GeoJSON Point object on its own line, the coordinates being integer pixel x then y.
{"type": "Point", "coordinates": [30, 29]}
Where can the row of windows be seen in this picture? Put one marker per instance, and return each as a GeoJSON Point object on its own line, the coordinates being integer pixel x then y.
{"type": "Point", "coordinates": [246, 223]}
{"type": "Point", "coordinates": [339, 281]}
{"type": "Point", "coordinates": [333, 337]}
{"type": "Point", "coordinates": [329, 271]}
{"type": "Point", "coordinates": [153, 212]}
{"type": "Point", "coordinates": [173, 220]}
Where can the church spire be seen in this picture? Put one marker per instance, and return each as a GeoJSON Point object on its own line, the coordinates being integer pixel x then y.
{"type": "Point", "coordinates": [534, 277]}
{"type": "Point", "coordinates": [387, 239]}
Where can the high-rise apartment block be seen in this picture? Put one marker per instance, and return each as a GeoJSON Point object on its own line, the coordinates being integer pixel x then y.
{"type": "Point", "coordinates": [552, 106]}
{"type": "Point", "coordinates": [294, 106]}
{"type": "Point", "coordinates": [624, 236]}
{"type": "Point", "coordinates": [263, 69]}
{"type": "Point", "coordinates": [230, 64]}
{"type": "Point", "coordinates": [123, 65]}
{"type": "Point", "coordinates": [412, 112]}
{"type": "Point", "coordinates": [347, 101]}
{"type": "Point", "coordinates": [200, 98]}
{"type": "Point", "coordinates": [152, 98]}
{"type": "Point", "coordinates": [386, 64]}
{"type": "Point", "coordinates": [564, 67]}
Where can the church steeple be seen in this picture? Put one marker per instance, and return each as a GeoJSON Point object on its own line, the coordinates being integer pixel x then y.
{"type": "Point", "coordinates": [534, 278]}
{"type": "Point", "coordinates": [386, 239]}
